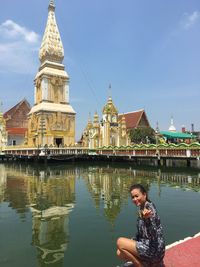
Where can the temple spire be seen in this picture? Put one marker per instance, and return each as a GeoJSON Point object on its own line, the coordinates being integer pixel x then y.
{"type": "Point", "coordinates": [51, 48]}
{"type": "Point", "coordinates": [109, 90]}
{"type": "Point", "coordinates": [1, 107]}
{"type": "Point", "coordinates": [172, 128]}
{"type": "Point", "coordinates": [52, 4]}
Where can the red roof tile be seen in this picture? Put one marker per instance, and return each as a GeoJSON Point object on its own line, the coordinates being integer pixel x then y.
{"type": "Point", "coordinates": [133, 118]}
{"type": "Point", "coordinates": [17, 131]}
{"type": "Point", "coordinates": [11, 111]}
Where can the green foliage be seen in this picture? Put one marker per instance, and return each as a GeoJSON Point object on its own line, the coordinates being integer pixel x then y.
{"type": "Point", "coordinates": [145, 135]}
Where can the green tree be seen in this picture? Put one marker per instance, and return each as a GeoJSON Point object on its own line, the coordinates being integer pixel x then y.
{"type": "Point", "coordinates": [145, 135]}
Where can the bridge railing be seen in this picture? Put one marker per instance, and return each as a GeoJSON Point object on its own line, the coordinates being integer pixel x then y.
{"type": "Point", "coordinates": [27, 151]}
{"type": "Point", "coordinates": [171, 150]}
{"type": "Point", "coordinates": [152, 150]}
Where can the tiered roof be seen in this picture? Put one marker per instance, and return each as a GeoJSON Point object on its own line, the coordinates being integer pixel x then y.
{"type": "Point", "coordinates": [110, 108]}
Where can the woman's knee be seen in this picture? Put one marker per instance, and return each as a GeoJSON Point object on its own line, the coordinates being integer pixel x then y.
{"type": "Point", "coordinates": [120, 242]}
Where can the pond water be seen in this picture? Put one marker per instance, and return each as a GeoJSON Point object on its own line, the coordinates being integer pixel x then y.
{"type": "Point", "coordinates": [70, 215]}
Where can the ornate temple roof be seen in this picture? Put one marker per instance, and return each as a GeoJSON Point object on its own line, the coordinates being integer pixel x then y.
{"type": "Point", "coordinates": [51, 48]}
{"type": "Point", "coordinates": [134, 118]}
{"type": "Point", "coordinates": [110, 108]}
{"type": "Point", "coordinates": [96, 117]}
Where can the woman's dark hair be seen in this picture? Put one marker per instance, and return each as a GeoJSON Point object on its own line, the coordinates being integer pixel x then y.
{"type": "Point", "coordinates": [141, 188]}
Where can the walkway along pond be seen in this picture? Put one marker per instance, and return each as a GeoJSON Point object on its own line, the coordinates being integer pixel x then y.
{"type": "Point", "coordinates": [184, 253]}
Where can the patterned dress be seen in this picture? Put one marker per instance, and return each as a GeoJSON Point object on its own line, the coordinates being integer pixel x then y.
{"type": "Point", "coordinates": [149, 239]}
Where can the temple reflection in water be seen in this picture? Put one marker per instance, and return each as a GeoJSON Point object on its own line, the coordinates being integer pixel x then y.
{"type": "Point", "coordinates": [49, 194]}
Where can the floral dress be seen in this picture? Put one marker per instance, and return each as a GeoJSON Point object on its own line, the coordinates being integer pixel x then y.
{"type": "Point", "coordinates": [149, 239]}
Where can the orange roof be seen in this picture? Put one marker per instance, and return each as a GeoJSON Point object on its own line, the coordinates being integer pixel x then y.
{"type": "Point", "coordinates": [17, 131]}
{"type": "Point", "coordinates": [133, 118]}
{"type": "Point", "coordinates": [11, 111]}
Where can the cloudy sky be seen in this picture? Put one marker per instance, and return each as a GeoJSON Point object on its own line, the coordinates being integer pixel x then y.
{"type": "Point", "coordinates": [149, 51]}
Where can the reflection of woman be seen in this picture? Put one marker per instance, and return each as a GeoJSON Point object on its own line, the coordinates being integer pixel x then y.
{"type": "Point", "coordinates": [148, 247]}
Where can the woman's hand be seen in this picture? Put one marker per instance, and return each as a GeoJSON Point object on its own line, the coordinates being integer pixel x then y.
{"type": "Point", "coordinates": [147, 213]}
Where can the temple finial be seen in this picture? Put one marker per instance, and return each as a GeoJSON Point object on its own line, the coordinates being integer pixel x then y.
{"type": "Point", "coordinates": [51, 48]}
{"type": "Point", "coordinates": [157, 127]}
{"type": "Point", "coordinates": [109, 90]}
{"type": "Point", "coordinates": [52, 5]}
{"type": "Point", "coordinates": [1, 107]}
{"type": "Point", "coordinates": [89, 116]}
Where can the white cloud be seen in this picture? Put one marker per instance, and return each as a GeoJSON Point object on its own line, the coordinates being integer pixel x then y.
{"type": "Point", "coordinates": [12, 30]}
{"type": "Point", "coordinates": [18, 48]}
{"type": "Point", "coordinates": [189, 20]}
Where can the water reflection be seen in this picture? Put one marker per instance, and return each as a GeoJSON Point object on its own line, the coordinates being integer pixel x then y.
{"type": "Point", "coordinates": [51, 202]}
{"type": "Point", "coordinates": [48, 194]}
{"type": "Point", "coordinates": [50, 233]}
{"type": "Point", "coordinates": [3, 177]}
{"type": "Point", "coordinates": [109, 187]}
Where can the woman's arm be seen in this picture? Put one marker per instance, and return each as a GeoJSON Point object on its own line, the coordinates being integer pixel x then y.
{"type": "Point", "coordinates": [151, 218]}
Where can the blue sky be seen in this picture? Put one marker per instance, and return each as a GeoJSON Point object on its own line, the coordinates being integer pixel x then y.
{"type": "Point", "coordinates": [149, 51]}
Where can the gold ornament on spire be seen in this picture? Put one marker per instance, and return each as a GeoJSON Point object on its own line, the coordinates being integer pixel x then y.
{"type": "Point", "coordinates": [51, 48]}
{"type": "Point", "coordinates": [52, 3]}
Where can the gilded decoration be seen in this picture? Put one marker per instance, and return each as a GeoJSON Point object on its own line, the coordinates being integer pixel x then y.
{"type": "Point", "coordinates": [51, 47]}
{"type": "Point", "coordinates": [57, 87]}
{"type": "Point", "coordinates": [109, 131]}
{"type": "Point", "coordinates": [34, 122]}
{"type": "Point", "coordinates": [57, 122]}
{"type": "Point", "coordinates": [38, 90]}
{"type": "Point", "coordinates": [51, 119]}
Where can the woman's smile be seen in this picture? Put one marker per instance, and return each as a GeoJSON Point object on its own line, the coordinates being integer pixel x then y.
{"type": "Point", "coordinates": [138, 198]}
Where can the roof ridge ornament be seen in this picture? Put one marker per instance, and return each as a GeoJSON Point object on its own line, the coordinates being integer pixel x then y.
{"type": "Point", "coordinates": [52, 5]}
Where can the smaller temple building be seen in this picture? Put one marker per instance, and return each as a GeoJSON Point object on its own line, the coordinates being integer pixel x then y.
{"type": "Point", "coordinates": [16, 120]}
{"type": "Point", "coordinates": [113, 129]}
{"type": "Point", "coordinates": [173, 136]}
{"type": "Point", "coordinates": [109, 131]}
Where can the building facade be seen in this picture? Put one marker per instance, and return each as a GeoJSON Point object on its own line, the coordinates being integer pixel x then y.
{"type": "Point", "coordinates": [136, 119]}
{"type": "Point", "coordinates": [109, 131]}
{"type": "Point", "coordinates": [17, 123]}
{"type": "Point", "coordinates": [51, 120]}
{"type": "Point", "coordinates": [113, 129]}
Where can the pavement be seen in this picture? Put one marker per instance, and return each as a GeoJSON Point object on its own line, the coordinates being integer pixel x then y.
{"type": "Point", "coordinates": [184, 253]}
